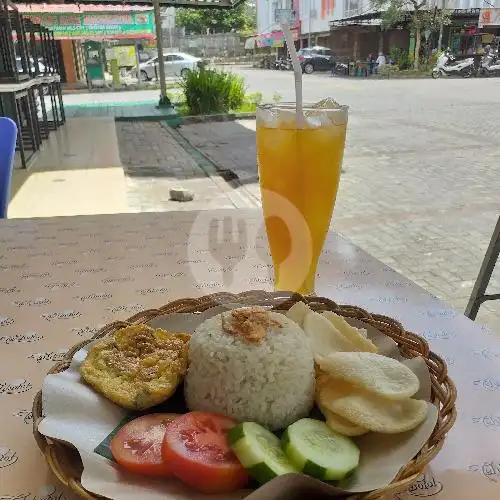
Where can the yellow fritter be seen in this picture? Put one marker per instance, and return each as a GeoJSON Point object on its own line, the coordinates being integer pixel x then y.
{"type": "Point", "coordinates": [138, 367]}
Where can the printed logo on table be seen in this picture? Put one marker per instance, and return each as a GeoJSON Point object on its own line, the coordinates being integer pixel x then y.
{"type": "Point", "coordinates": [21, 338]}
{"type": "Point", "coordinates": [4, 321]}
{"type": "Point", "coordinates": [490, 470]}
{"type": "Point", "coordinates": [146, 265]}
{"type": "Point", "coordinates": [165, 253]}
{"type": "Point", "coordinates": [45, 237]}
{"type": "Point", "coordinates": [12, 289]}
{"type": "Point", "coordinates": [486, 354]}
{"type": "Point", "coordinates": [396, 284]}
{"type": "Point", "coordinates": [115, 258]}
{"type": "Point", "coordinates": [44, 253]}
{"type": "Point", "coordinates": [90, 251]}
{"type": "Point", "coordinates": [112, 241]}
{"type": "Point", "coordinates": [152, 291]}
{"type": "Point", "coordinates": [13, 267]}
{"type": "Point", "coordinates": [16, 248]}
{"type": "Point", "coordinates": [40, 301]}
{"type": "Point", "coordinates": [155, 237]}
{"type": "Point", "coordinates": [48, 492]}
{"type": "Point", "coordinates": [8, 457]}
{"type": "Point", "coordinates": [67, 314]}
{"type": "Point", "coordinates": [119, 279]}
{"type": "Point", "coordinates": [60, 285]}
{"type": "Point", "coordinates": [488, 421]}
{"type": "Point", "coordinates": [125, 308]}
{"type": "Point", "coordinates": [90, 270]}
{"type": "Point", "coordinates": [208, 284]}
{"type": "Point", "coordinates": [439, 335]}
{"type": "Point", "coordinates": [488, 383]}
{"type": "Point", "coordinates": [439, 313]}
{"type": "Point", "coordinates": [177, 274]}
{"type": "Point", "coordinates": [60, 263]}
{"type": "Point", "coordinates": [17, 386]}
{"type": "Point", "coordinates": [54, 356]}
{"type": "Point", "coordinates": [425, 486]}
{"type": "Point", "coordinates": [349, 286]}
{"type": "Point", "coordinates": [29, 276]}
{"type": "Point", "coordinates": [26, 416]}
{"type": "Point", "coordinates": [86, 331]}
{"type": "Point", "coordinates": [69, 244]}
{"type": "Point", "coordinates": [93, 296]}
{"type": "Point", "coordinates": [133, 248]}
{"type": "Point", "coordinates": [392, 300]}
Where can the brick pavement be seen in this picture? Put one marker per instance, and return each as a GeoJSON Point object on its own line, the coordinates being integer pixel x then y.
{"type": "Point", "coordinates": [420, 192]}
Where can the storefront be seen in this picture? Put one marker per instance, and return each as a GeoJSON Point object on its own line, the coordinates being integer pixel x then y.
{"type": "Point", "coordinates": [88, 37]}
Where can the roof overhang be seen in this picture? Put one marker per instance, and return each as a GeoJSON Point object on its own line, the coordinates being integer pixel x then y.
{"type": "Point", "coordinates": [374, 18]}
{"type": "Point", "coordinates": [196, 4]}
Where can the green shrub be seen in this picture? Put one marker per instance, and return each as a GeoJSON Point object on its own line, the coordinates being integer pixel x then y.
{"type": "Point", "coordinates": [210, 91]}
{"type": "Point", "coordinates": [400, 57]}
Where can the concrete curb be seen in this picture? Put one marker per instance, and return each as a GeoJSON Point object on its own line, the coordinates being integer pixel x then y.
{"type": "Point", "coordinates": [240, 196]}
{"type": "Point", "coordinates": [227, 117]}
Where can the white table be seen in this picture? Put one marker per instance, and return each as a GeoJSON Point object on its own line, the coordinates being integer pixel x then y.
{"type": "Point", "coordinates": [62, 278]}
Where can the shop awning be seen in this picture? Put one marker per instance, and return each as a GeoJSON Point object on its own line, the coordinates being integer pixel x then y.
{"type": "Point", "coordinates": [274, 38]}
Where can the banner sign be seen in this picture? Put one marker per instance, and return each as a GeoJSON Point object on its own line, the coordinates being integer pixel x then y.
{"type": "Point", "coordinates": [90, 26]}
{"type": "Point", "coordinates": [489, 17]}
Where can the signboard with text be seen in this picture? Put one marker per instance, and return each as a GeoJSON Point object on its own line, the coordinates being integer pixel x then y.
{"type": "Point", "coordinates": [97, 26]}
{"type": "Point", "coordinates": [489, 17]}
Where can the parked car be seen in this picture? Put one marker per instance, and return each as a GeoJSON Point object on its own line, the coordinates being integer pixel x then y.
{"type": "Point", "coordinates": [316, 59]}
{"type": "Point", "coordinates": [176, 64]}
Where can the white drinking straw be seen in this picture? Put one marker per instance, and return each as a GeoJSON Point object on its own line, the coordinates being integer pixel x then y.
{"type": "Point", "coordinates": [297, 71]}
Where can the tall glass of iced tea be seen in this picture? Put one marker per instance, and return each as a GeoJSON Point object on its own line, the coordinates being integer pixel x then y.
{"type": "Point", "coordinates": [299, 170]}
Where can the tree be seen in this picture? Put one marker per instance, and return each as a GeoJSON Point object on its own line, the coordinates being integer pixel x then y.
{"type": "Point", "coordinates": [197, 21]}
{"type": "Point", "coordinates": [421, 18]}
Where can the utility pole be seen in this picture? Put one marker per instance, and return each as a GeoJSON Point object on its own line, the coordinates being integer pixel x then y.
{"type": "Point", "coordinates": [164, 100]}
{"type": "Point", "coordinates": [440, 39]}
{"type": "Point", "coordinates": [309, 22]}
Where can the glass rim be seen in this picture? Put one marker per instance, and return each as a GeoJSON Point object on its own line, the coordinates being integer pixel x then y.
{"type": "Point", "coordinates": [307, 106]}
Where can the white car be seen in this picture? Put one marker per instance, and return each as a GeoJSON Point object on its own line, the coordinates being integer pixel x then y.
{"type": "Point", "coordinates": [176, 64]}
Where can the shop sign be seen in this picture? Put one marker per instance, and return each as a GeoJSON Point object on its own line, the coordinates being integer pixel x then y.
{"type": "Point", "coordinates": [489, 17]}
{"type": "Point", "coordinates": [97, 26]}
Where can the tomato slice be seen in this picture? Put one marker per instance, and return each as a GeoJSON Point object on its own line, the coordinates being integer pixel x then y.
{"type": "Point", "coordinates": [196, 450]}
{"type": "Point", "coordinates": [137, 446]}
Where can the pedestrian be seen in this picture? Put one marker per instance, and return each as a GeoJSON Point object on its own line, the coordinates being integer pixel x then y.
{"type": "Point", "coordinates": [380, 62]}
{"type": "Point", "coordinates": [371, 63]}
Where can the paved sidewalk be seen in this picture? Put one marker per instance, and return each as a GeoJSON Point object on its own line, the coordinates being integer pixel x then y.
{"type": "Point", "coordinates": [154, 162]}
{"type": "Point", "coordinates": [425, 204]}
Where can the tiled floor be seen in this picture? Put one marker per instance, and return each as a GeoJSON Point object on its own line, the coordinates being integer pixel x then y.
{"type": "Point", "coordinates": [77, 172]}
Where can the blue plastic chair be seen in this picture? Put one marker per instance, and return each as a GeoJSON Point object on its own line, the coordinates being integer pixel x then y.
{"type": "Point", "coordinates": [8, 136]}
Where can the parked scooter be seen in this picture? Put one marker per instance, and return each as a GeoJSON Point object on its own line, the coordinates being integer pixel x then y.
{"type": "Point", "coordinates": [285, 64]}
{"type": "Point", "coordinates": [490, 64]}
{"type": "Point", "coordinates": [447, 65]}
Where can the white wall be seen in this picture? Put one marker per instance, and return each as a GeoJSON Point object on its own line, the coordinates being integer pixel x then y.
{"type": "Point", "coordinates": [266, 20]}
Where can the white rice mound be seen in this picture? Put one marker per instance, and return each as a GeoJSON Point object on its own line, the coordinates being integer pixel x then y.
{"type": "Point", "coordinates": [271, 382]}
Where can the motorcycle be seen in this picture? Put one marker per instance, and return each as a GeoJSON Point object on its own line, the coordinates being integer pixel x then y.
{"type": "Point", "coordinates": [490, 64]}
{"type": "Point", "coordinates": [447, 65]}
{"type": "Point", "coordinates": [285, 64]}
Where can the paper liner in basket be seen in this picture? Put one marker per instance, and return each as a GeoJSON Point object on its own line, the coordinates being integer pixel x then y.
{"type": "Point", "coordinates": [76, 414]}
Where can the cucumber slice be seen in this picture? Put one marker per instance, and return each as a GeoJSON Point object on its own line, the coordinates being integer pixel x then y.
{"type": "Point", "coordinates": [259, 451]}
{"type": "Point", "coordinates": [318, 451]}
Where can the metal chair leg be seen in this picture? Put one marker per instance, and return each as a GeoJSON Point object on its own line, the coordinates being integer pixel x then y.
{"type": "Point", "coordinates": [478, 295]}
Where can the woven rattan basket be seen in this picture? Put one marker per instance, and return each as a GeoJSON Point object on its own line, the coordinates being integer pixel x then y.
{"type": "Point", "coordinates": [64, 460]}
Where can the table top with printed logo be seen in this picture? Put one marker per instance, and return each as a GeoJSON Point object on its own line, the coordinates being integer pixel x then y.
{"type": "Point", "coordinates": [61, 279]}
